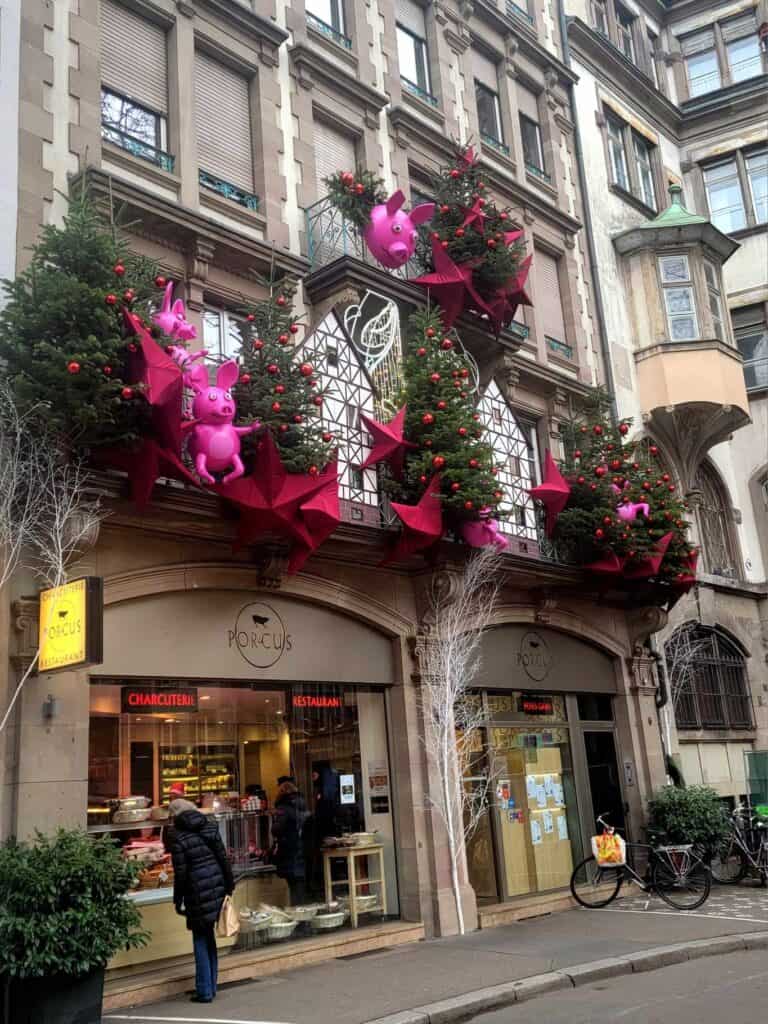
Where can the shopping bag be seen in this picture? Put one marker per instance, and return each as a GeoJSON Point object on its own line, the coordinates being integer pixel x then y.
{"type": "Point", "coordinates": [609, 850]}
{"type": "Point", "coordinates": [228, 923]}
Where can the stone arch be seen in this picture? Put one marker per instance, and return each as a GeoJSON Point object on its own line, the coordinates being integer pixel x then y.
{"type": "Point", "coordinates": [564, 621]}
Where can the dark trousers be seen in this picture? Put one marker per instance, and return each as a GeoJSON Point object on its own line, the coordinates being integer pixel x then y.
{"type": "Point", "coordinates": [297, 889]}
{"type": "Point", "coordinates": [206, 961]}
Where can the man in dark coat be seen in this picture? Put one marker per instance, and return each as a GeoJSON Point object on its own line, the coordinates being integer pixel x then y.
{"type": "Point", "coordinates": [202, 878]}
{"type": "Point", "coordinates": [287, 830]}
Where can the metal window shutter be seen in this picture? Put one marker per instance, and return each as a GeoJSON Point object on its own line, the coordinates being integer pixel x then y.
{"type": "Point", "coordinates": [223, 121]}
{"type": "Point", "coordinates": [698, 42]}
{"type": "Point", "coordinates": [548, 298]}
{"type": "Point", "coordinates": [411, 16]}
{"type": "Point", "coordinates": [737, 28]}
{"type": "Point", "coordinates": [334, 152]}
{"type": "Point", "coordinates": [485, 71]}
{"type": "Point", "coordinates": [528, 103]}
{"type": "Point", "coordinates": [134, 56]}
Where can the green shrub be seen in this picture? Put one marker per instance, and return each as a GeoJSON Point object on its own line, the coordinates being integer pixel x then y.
{"type": "Point", "coordinates": [63, 908]}
{"type": "Point", "coordinates": [692, 815]}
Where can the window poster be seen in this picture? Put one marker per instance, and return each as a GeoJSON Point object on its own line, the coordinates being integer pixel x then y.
{"type": "Point", "coordinates": [562, 827]}
{"type": "Point", "coordinates": [378, 786]}
{"type": "Point", "coordinates": [549, 826]}
{"type": "Point", "coordinates": [536, 836]}
{"type": "Point", "coordinates": [347, 784]}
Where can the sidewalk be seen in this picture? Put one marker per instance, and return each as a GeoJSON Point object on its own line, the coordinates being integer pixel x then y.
{"type": "Point", "coordinates": [367, 988]}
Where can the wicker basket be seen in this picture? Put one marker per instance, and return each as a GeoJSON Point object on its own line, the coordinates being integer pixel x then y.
{"type": "Point", "coordinates": [302, 913]}
{"type": "Point", "coordinates": [324, 922]}
{"type": "Point", "coordinates": [279, 930]}
{"type": "Point", "coordinates": [367, 903]}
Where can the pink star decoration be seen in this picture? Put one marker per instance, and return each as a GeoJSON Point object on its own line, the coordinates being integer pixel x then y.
{"type": "Point", "coordinates": [388, 441]}
{"type": "Point", "coordinates": [422, 523]}
{"type": "Point", "coordinates": [553, 492]}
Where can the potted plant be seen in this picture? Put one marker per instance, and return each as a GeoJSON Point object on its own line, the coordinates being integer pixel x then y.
{"type": "Point", "coordinates": [63, 915]}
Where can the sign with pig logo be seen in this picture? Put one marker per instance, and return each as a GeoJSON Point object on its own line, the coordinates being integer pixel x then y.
{"type": "Point", "coordinates": [534, 657]}
{"type": "Point", "coordinates": [259, 635]}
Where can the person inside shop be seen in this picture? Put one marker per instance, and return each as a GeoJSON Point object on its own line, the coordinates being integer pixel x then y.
{"type": "Point", "coordinates": [288, 821]}
{"type": "Point", "coordinates": [202, 878]}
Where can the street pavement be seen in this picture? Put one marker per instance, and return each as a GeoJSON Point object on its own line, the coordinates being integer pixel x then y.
{"type": "Point", "coordinates": [365, 988]}
{"type": "Point", "coordinates": [733, 988]}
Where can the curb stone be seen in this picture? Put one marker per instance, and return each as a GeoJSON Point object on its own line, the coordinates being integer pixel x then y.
{"type": "Point", "coordinates": [464, 1007]}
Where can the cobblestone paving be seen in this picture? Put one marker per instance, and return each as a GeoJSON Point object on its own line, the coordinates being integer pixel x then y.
{"type": "Point", "coordinates": [744, 902]}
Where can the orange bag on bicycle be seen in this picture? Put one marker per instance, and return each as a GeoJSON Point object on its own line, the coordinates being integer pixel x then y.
{"type": "Point", "coordinates": [609, 850]}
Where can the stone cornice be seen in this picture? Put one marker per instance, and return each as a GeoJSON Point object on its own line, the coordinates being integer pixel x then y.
{"type": "Point", "coordinates": [722, 105]}
{"type": "Point", "coordinates": [525, 36]}
{"type": "Point", "coordinates": [310, 63]}
{"type": "Point", "coordinates": [246, 20]}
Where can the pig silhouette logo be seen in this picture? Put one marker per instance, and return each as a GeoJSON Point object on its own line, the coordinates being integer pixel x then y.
{"type": "Point", "coordinates": [259, 635]}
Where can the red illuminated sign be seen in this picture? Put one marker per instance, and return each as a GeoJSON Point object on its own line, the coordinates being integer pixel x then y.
{"type": "Point", "coordinates": [532, 704]}
{"type": "Point", "coordinates": [137, 699]}
{"type": "Point", "coordinates": [302, 701]}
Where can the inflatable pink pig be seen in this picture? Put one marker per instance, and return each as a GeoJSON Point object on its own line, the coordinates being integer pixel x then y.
{"type": "Point", "coordinates": [214, 442]}
{"type": "Point", "coordinates": [391, 234]}
{"type": "Point", "coordinates": [479, 533]}
{"type": "Point", "coordinates": [172, 319]}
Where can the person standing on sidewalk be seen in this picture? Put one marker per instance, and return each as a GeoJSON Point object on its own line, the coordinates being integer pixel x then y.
{"type": "Point", "coordinates": [288, 823]}
{"type": "Point", "coordinates": [202, 878]}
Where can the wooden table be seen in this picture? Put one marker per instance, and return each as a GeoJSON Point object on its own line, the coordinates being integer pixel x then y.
{"type": "Point", "coordinates": [351, 855]}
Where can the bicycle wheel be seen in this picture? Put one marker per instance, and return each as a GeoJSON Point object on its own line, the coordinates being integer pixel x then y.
{"type": "Point", "coordinates": [594, 887]}
{"type": "Point", "coordinates": [729, 864]}
{"type": "Point", "coordinates": [681, 880]}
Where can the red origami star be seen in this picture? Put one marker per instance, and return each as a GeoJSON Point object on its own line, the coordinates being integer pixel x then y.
{"type": "Point", "coordinates": [161, 381]}
{"type": "Point", "coordinates": [388, 442]}
{"type": "Point", "coordinates": [451, 285]}
{"type": "Point", "coordinates": [144, 465]}
{"type": "Point", "coordinates": [475, 215]}
{"type": "Point", "coordinates": [422, 523]}
{"type": "Point", "coordinates": [651, 565]}
{"type": "Point", "coordinates": [552, 492]}
{"type": "Point", "coordinates": [321, 514]}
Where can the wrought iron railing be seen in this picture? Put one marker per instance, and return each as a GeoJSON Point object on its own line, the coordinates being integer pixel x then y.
{"type": "Point", "coordinates": [560, 348]}
{"type": "Point", "coordinates": [516, 11]}
{"type": "Point", "coordinates": [228, 190]}
{"type": "Point", "coordinates": [538, 172]}
{"type": "Point", "coordinates": [416, 90]}
{"type": "Point", "coordinates": [136, 147]}
{"type": "Point", "coordinates": [328, 30]}
{"type": "Point", "coordinates": [497, 144]}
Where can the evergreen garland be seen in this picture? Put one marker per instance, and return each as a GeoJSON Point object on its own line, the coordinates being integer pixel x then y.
{"type": "Point", "coordinates": [355, 195]}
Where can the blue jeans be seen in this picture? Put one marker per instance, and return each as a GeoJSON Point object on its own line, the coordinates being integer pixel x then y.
{"type": "Point", "coordinates": [206, 961]}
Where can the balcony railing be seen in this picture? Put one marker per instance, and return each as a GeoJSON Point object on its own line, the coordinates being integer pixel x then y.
{"type": "Point", "coordinates": [136, 147]}
{"type": "Point", "coordinates": [538, 172]}
{"type": "Point", "coordinates": [517, 11]}
{"type": "Point", "coordinates": [228, 190]}
{"type": "Point", "coordinates": [497, 144]}
{"type": "Point", "coordinates": [756, 373]}
{"type": "Point", "coordinates": [416, 90]}
{"type": "Point", "coordinates": [560, 348]}
{"type": "Point", "coordinates": [328, 30]}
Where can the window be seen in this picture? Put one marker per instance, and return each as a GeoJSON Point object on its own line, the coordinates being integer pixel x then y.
{"type": "Point", "coordinates": [726, 203]}
{"type": "Point", "coordinates": [327, 16]}
{"type": "Point", "coordinates": [487, 99]}
{"type": "Point", "coordinates": [751, 330]}
{"type": "Point", "coordinates": [412, 48]}
{"type": "Point", "coordinates": [624, 24]}
{"type": "Point", "coordinates": [701, 62]}
{"type": "Point", "coordinates": [742, 47]}
{"type": "Point", "coordinates": [134, 94]}
{"type": "Point", "coordinates": [757, 173]}
{"type": "Point", "coordinates": [221, 333]}
{"type": "Point", "coordinates": [223, 123]}
{"type": "Point", "coordinates": [642, 150]}
{"type": "Point", "coordinates": [600, 17]}
{"type": "Point", "coordinates": [619, 171]}
{"type": "Point", "coordinates": [714, 515]}
{"type": "Point", "coordinates": [677, 287]}
{"type": "Point", "coordinates": [530, 131]}
{"type": "Point", "coordinates": [653, 41]}
{"type": "Point", "coordinates": [708, 679]}
{"type": "Point", "coordinates": [550, 303]}
{"type": "Point", "coordinates": [712, 277]}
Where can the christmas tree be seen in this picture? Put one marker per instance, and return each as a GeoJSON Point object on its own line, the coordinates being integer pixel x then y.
{"type": "Point", "coordinates": [355, 194]}
{"type": "Point", "coordinates": [443, 421]}
{"type": "Point", "coordinates": [61, 332]}
{"type": "Point", "coordinates": [276, 389]}
{"type": "Point", "coordinates": [622, 498]}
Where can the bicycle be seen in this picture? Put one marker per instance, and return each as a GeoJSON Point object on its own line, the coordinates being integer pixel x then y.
{"type": "Point", "coordinates": [745, 850]}
{"type": "Point", "coordinates": [676, 873]}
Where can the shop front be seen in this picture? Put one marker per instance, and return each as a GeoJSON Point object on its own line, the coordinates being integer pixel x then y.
{"type": "Point", "coordinates": [223, 698]}
{"type": "Point", "coordinates": [551, 750]}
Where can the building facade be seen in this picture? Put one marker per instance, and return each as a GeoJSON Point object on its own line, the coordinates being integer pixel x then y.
{"type": "Point", "coordinates": [214, 131]}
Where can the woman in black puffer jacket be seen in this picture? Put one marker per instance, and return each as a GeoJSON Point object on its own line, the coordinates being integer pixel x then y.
{"type": "Point", "coordinates": [202, 878]}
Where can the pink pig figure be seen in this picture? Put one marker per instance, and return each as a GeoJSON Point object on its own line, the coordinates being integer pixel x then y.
{"type": "Point", "coordinates": [214, 442]}
{"type": "Point", "coordinates": [172, 319]}
{"type": "Point", "coordinates": [628, 510]}
{"type": "Point", "coordinates": [391, 234]}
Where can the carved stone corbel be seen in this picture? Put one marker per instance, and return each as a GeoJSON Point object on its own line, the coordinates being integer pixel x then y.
{"type": "Point", "coordinates": [200, 259]}
{"type": "Point", "coordinates": [26, 613]}
{"type": "Point", "coordinates": [440, 587]}
{"type": "Point", "coordinates": [545, 609]}
{"type": "Point", "coordinates": [642, 666]}
{"type": "Point", "coordinates": [271, 565]}
{"type": "Point", "coordinates": [642, 622]}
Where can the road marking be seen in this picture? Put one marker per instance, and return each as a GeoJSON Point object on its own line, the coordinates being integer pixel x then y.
{"type": "Point", "coordinates": [186, 1020]}
{"type": "Point", "coordinates": [680, 913]}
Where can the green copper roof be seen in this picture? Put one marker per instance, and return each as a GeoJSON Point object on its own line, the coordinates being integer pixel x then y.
{"type": "Point", "coordinates": [675, 215]}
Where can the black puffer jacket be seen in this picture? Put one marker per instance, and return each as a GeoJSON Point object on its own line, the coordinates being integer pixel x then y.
{"type": "Point", "coordinates": [202, 872]}
{"type": "Point", "coordinates": [287, 828]}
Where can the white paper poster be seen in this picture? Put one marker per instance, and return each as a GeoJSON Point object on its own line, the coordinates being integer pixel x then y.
{"type": "Point", "coordinates": [347, 784]}
{"type": "Point", "coordinates": [535, 833]}
{"type": "Point", "coordinates": [541, 796]}
{"type": "Point", "coordinates": [549, 785]}
{"type": "Point", "coordinates": [562, 827]}
{"type": "Point", "coordinates": [548, 823]}
{"type": "Point", "coordinates": [557, 793]}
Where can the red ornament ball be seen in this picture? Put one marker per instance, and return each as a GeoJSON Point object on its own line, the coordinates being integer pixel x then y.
{"type": "Point", "coordinates": [463, 394]}
{"type": "Point", "coordinates": [359, 188]}
{"type": "Point", "coordinates": [446, 344]}
{"type": "Point", "coordinates": [577, 453]}
{"type": "Point", "coordinates": [132, 347]}
{"type": "Point", "coordinates": [283, 339]}
{"type": "Point", "coordinates": [671, 487]}
{"type": "Point", "coordinates": [462, 431]}
{"type": "Point", "coordinates": [279, 389]}
{"type": "Point", "coordinates": [428, 443]}
{"type": "Point", "coordinates": [653, 450]}
{"type": "Point", "coordinates": [444, 245]}
{"type": "Point", "coordinates": [665, 478]}
{"type": "Point", "coordinates": [129, 295]}
{"type": "Point", "coordinates": [327, 437]}
{"type": "Point", "coordinates": [251, 317]}
{"type": "Point", "coordinates": [160, 281]}
{"type": "Point", "coordinates": [111, 299]}
{"type": "Point", "coordinates": [434, 377]}
{"type": "Point", "coordinates": [423, 478]}
{"type": "Point", "coordinates": [421, 351]}
{"type": "Point", "coordinates": [464, 373]}
{"type": "Point", "coordinates": [118, 269]}
{"type": "Point", "coordinates": [73, 367]}
{"type": "Point", "coordinates": [473, 463]}
{"type": "Point", "coordinates": [313, 471]}
{"type": "Point", "coordinates": [476, 416]}
{"type": "Point", "coordinates": [294, 328]}
{"type": "Point", "coordinates": [597, 430]}
{"type": "Point", "coordinates": [306, 369]}
{"type": "Point", "coordinates": [491, 243]}
{"type": "Point", "coordinates": [583, 430]}
{"type": "Point", "coordinates": [427, 419]}
{"type": "Point", "coordinates": [607, 521]}
{"type": "Point", "coordinates": [441, 405]}
{"type": "Point", "coordinates": [245, 378]}
{"type": "Point", "coordinates": [600, 471]}
{"type": "Point", "coordinates": [455, 487]}
{"type": "Point", "coordinates": [469, 505]}
{"type": "Point", "coordinates": [438, 461]}
{"type": "Point", "coordinates": [273, 368]}
{"type": "Point", "coordinates": [317, 400]}
{"type": "Point", "coordinates": [455, 174]}
{"type": "Point", "coordinates": [127, 394]}
{"type": "Point", "coordinates": [616, 464]}
{"type": "Point", "coordinates": [107, 371]}
{"type": "Point", "coordinates": [646, 485]}
{"type": "Point", "coordinates": [623, 429]}
{"type": "Point", "coordinates": [444, 208]}
{"type": "Point", "coordinates": [347, 178]}
{"type": "Point", "coordinates": [498, 494]}
{"type": "Point", "coordinates": [459, 232]}
{"type": "Point", "coordinates": [599, 533]}
{"type": "Point", "coordinates": [458, 385]}
{"type": "Point", "coordinates": [298, 418]}
{"type": "Point", "coordinates": [281, 300]}
{"type": "Point", "coordinates": [284, 428]}
{"type": "Point", "coordinates": [593, 487]}
{"type": "Point", "coordinates": [625, 536]}
{"type": "Point", "coordinates": [258, 345]}
{"type": "Point", "coordinates": [430, 332]}
{"type": "Point", "coordinates": [276, 407]}
{"type": "Point", "coordinates": [580, 479]}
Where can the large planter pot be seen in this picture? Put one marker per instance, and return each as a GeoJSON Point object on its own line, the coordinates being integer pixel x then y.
{"type": "Point", "coordinates": [60, 999]}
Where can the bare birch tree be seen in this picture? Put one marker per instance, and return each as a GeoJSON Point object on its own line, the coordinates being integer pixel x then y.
{"type": "Point", "coordinates": [48, 511]}
{"type": "Point", "coordinates": [452, 713]}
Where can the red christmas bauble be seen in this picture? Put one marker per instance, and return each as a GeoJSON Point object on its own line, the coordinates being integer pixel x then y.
{"type": "Point", "coordinates": [459, 232]}
{"type": "Point", "coordinates": [480, 186]}
{"type": "Point", "coordinates": [313, 470]}
{"type": "Point", "coordinates": [327, 437]}
{"type": "Point", "coordinates": [284, 428]}
{"type": "Point", "coordinates": [107, 371]}
{"type": "Point", "coordinates": [434, 377]}
{"type": "Point", "coordinates": [132, 347]}
{"type": "Point", "coordinates": [625, 536]}
{"type": "Point", "coordinates": [251, 317]}
{"type": "Point", "coordinates": [597, 430]}
{"type": "Point", "coordinates": [577, 453]}
{"type": "Point", "coordinates": [464, 372]}
{"type": "Point", "coordinates": [127, 394]}
{"type": "Point", "coordinates": [607, 521]}
{"type": "Point", "coordinates": [444, 244]}
{"type": "Point", "coordinates": [118, 269]}
{"type": "Point", "coordinates": [494, 470]}
{"type": "Point", "coordinates": [498, 494]}
{"type": "Point", "coordinates": [430, 332]}
{"type": "Point", "coordinates": [462, 431]}
{"type": "Point", "coordinates": [276, 407]}
{"type": "Point", "coordinates": [653, 450]}
{"type": "Point", "coordinates": [458, 385]}
{"type": "Point", "coordinates": [600, 471]}
{"type": "Point", "coordinates": [491, 243]}
{"type": "Point", "coordinates": [444, 208]}
{"type": "Point", "coordinates": [423, 478]}
{"type": "Point", "coordinates": [646, 485]}
{"type": "Point", "coordinates": [599, 533]}
{"type": "Point", "coordinates": [306, 369]}
{"type": "Point", "coordinates": [279, 389]}
{"type": "Point", "coordinates": [294, 328]}
{"type": "Point", "coordinates": [609, 447]}
{"type": "Point", "coordinates": [623, 429]}
{"type": "Point", "coordinates": [580, 479]}
{"type": "Point", "coordinates": [73, 367]}
{"type": "Point", "coordinates": [463, 394]}
{"type": "Point", "coordinates": [665, 478]}
{"type": "Point", "coordinates": [441, 405]}
{"type": "Point", "coordinates": [111, 299]}
{"type": "Point", "coordinates": [160, 281]}
{"type": "Point", "coordinates": [635, 465]}
{"type": "Point", "coordinates": [281, 300]}
{"type": "Point", "coordinates": [446, 344]}
{"type": "Point", "coordinates": [428, 443]}
{"type": "Point", "coordinates": [129, 295]}
{"type": "Point", "coordinates": [421, 351]}
{"type": "Point", "coordinates": [438, 461]}
{"type": "Point", "coordinates": [245, 378]}
{"type": "Point", "coordinates": [298, 418]}
{"type": "Point", "coordinates": [347, 178]}
{"type": "Point", "coordinates": [455, 174]}
{"type": "Point", "coordinates": [481, 202]}
{"type": "Point", "coordinates": [583, 430]}
{"type": "Point", "coordinates": [615, 463]}
{"type": "Point", "coordinates": [427, 418]}
{"type": "Point", "coordinates": [473, 463]}
{"type": "Point", "coordinates": [359, 188]}
{"type": "Point", "coordinates": [631, 554]}
{"type": "Point", "coordinates": [455, 487]}
{"type": "Point", "coordinates": [469, 505]}
{"type": "Point", "coordinates": [667, 515]}
{"type": "Point", "coordinates": [436, 236]}
{"type": "Point", "coordinates": [258, 345]}
{"type": "Point", "coordinates": [593, 487]}
{"type": "Point", "coordinates": [476, 416]}
{"type": "Point", "coordinates": [671, 487]}
{"type": "Point", "coordinates": [317, 400]}
{"type": "Point", "coordinates": [273, 368]}
{"type": "Point", "coordinates": [283, 339]}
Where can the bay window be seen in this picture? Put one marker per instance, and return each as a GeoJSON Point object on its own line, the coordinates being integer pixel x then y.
{"type": "Point", "coordinates": [679, 302]}
{"type": "Point", "coordinates": [712, 278]}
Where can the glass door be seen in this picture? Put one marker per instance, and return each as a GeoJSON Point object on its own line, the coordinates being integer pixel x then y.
{"type": "Point", "coordinates": [604, 780]}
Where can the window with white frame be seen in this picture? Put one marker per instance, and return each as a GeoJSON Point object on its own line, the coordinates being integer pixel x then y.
{"type": "Point", "coordinates": [625, 23]}
{"type": "Point", "coordinates": [701, 62]}
{"type": "Point", "coordinates": [617, 153]}
{"type": "Point", "coordinates": [712, 277]}
{"type": "Point", "coordinates": [742, 47]}
{"type": "Point", "coordinates": [642, 150]}
{"type": "Point", "coordinates": [487, 99]}
{"type": "Point", "coordinates": [327, 15]}
{"type": "Point", "coordinates": [723, 54]}
{"type": "Point", "coordinates": [530, 130]}
{"type": "Point", "coordinates": [221, 333]}
{"type": "Point", "coordinates": [679, 301]}
{"type": "Point", "coordinates": [724, 196]}
{"type": "Point", "coordinates": [600, 17]}
{"type": "Point", "coordinates": [757, 174]}
{"type": "Point", "coordinates": [412, 51]}
{"type": "Point", "coordinates": [653, 42]}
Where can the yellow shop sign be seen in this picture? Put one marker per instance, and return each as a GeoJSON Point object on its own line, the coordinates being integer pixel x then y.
{"type": "Point", "coordinates": [71, 625]}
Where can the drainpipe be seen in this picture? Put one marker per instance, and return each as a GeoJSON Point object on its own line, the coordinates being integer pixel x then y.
{"type": "Point", "coordinates": [588, 220]}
